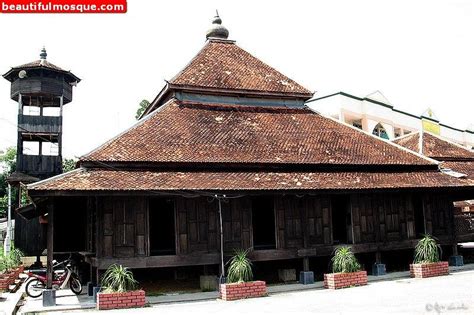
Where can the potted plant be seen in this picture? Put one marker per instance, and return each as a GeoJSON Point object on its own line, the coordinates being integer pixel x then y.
{"type": "Point", "coordinates": [119, 289]}
{"type": "Point", "coordinates": [239, 279]}
{"type": "Point", "coordinates": [346, 270]}
{"type": "Point", "coordinates": [426, 262]}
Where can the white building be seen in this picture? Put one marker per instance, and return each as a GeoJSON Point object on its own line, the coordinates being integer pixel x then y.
{"type": "Point", "coordinates": [375, 114]}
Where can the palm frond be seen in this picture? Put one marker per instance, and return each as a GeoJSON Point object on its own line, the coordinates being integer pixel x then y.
{"type": "Point", "coordinates": [118, 279]}
{"type": "Point", "coordinates": [344, 260]}
{"type": "Point", "coordinates": [427, 250]}
{"type": "Point", "coordinates": [240, 267]}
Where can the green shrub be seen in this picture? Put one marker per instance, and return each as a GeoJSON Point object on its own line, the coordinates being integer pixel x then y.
{"type": "Point", "coordinates": [427, 250]}
{"type": "Point", "coordinates": [15, 255]}
{"type": "Point", "coordinates": [344, 260]}
{"type": "Point", "coordinates": [240, 267]}
{"type": "Point", "coordinates": [3, 266]}
{"type": "Point", "coordinates": [118, 279]}
{"type": "Point", "coordinates": [11, 260]}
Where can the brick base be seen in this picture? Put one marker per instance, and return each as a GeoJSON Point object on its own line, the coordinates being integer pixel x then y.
{"type": "Point", "coordinates": [237, 291]}
{"type": "Point", "coordinates": [9, 278]}
{"type": "Point", "coordinates": [107, 301]}
{"type": "Point", "coordinates": [429, 270]}
{"type": "Point", "coordinates": [345, 279]}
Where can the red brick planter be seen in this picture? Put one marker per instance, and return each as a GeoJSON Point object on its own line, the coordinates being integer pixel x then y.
{"type": "Point", "coordinates": [244, 290]}
{"type": "Point", "coordinates": [4, 282]}
{"type": "Point", "coordinates": [107, 301]}
{"type": "Point", "coordinates": [440, 268]}
{"type": "Point", "coordinates": [344, 279]}
{"type": "Point", "coordinates": [7, 279]}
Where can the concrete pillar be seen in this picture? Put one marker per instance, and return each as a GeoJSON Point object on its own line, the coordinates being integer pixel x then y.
{"type": "Point", "coordinates": [306, 276]}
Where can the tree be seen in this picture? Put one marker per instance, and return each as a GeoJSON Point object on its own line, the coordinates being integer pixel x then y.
{"type": "Point", "coordinates": [69, 165]}
{"type": "Point", "coordinates": [7, 166]}
{"type": "Point", "coordinates": [141, 108]}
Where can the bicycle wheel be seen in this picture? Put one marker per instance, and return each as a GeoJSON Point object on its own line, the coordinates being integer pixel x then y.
{"type": "Point", "coordinates": [75, 285]}
{"type": "Point", "coordinates": [34, 288]}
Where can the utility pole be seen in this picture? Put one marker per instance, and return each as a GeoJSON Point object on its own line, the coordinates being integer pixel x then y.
{"type": "Point", "coordinates": [8, 238]}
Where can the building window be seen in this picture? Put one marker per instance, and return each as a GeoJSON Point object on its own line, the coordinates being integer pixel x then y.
{"type": "Point", "coordinates": [380, 131]}
{"type": "Point", "coordinates": [397, 132]}
{"type": "Point", "coordinates": [357, 124]}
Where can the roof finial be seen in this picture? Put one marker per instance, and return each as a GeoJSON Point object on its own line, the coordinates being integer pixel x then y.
{"type": "Point", "coordinates": [43, 54]}
{"type": "Point", "coordinates": [217, 30]}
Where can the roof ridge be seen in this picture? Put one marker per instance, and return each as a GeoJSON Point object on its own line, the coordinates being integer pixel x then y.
{"type": "Point", "coordinates": [189, 62]}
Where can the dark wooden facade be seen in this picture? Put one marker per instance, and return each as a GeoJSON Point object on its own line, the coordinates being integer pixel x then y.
{"type": "Point", "coordinates": [117, 229]}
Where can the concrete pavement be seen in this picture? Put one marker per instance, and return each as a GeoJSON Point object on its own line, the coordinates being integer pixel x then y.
{"type": "Point", "coordinates": [452, 294]}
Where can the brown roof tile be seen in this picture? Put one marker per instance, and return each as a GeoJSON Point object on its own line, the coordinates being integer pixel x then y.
{"type": "Point", "coordinates": [199, 133]}
{"type": "Point", "coordinates": [221, 64]}
{"type": "Point", "coordinates": [435, 147]}
{"type": "Point", "coordinates": [123, 180]}
{"type": "Point", "coordinates": [465, 167]}
{"type": "Point", "coordinates": [39, 64]}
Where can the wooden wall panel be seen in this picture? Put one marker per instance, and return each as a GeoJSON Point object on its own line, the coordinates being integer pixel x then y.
{"type": "Point", "coordinates": [382, 217]}
{"type": "Point", "coordinates": [289, 210]}
{"type": "Point", "coordinates": [237, 223]}
{"type": "Point", "coordinates": [124, 227]}
{"type": "Point", "coordinates": [318, 220]}
{"type": "Point", "coordinates": [439, 213]}
{"type": "Point", "coordinates": [198, 225]}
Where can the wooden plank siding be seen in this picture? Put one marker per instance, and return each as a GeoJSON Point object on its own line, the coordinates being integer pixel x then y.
{"type": "Point", "coordinates": [439, 214]}
{"type": "Point", "coordinates": [303, 226]}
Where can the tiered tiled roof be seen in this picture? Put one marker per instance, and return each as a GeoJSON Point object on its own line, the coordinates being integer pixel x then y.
{"type": "Point", "coordinates": [142, 180]}
{"type": "Point", "coordinates": [223, 65]}
{"type": "Point", "coordinates": [186, 145]}
{"type": "Point", "coordinates": [452, 155]}
{"type": "Point", "coordinates": [211, 133]}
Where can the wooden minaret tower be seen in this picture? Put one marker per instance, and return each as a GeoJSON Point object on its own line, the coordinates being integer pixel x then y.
{"type": "Point", "coordinates": [41, 89]}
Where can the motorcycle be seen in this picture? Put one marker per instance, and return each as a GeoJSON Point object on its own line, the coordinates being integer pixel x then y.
{"type": "Point", "coordinates": [37, 283]}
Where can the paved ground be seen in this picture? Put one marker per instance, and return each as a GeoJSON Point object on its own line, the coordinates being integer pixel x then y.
{"type": "Point", "coordinates": [453, 294]}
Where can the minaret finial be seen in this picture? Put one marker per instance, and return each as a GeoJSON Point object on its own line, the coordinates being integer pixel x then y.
{"type": "Point", "coordinates": [43, 54]}
{"type": "Point", "coordinates": [217, 30]}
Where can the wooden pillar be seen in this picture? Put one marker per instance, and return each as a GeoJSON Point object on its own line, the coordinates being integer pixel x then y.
{"type": "Point", "coordinates": [378, 257]}
{"type": "Point", "coordinates": [306, 264]}
{"type": "Point", "coordinates": [455, 249]}
{"type": "Point", "coordinates": [97, 276]}
{"type": "Point", "coordinates": [50, 249]}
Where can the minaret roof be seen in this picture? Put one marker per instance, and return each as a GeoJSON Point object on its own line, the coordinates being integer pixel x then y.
{"type": "Point", "coordinates": [11, 75]}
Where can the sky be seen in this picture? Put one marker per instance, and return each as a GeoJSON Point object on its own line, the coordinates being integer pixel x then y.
{"type": "Point", "coordinates": [419, 54]}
